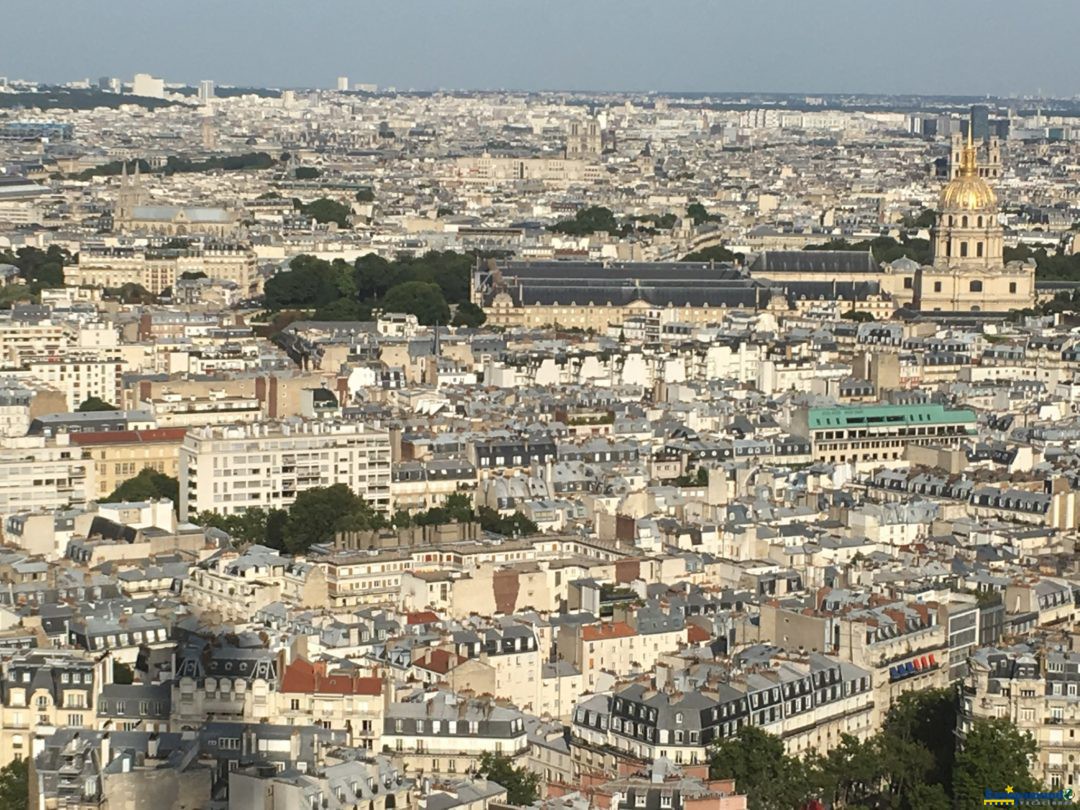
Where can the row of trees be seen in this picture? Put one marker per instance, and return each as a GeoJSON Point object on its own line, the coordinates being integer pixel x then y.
{"type": "Point", "coordinates": [318, 514]}
{"type": "Point", "coordinates": [913, 763]}
{"type": "Point", "coordinates": [180, 165]}
{"type": "Point", "coordinates": [884, 248]}
{"type": "Point", "coordinates": [425, 287]}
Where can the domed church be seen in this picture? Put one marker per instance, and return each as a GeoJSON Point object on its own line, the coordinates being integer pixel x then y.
{"type": "Point", "coordinates": [967, 271]}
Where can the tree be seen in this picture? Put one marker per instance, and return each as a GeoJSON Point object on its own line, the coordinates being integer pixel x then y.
{"type": "Point", "coordinates": [15, 785]}
{"type": "Point", "coordinates": [522, 785]}
{"type": "Point", "coordinates": [324, 210]}
{"type": "Point", "coordinates": [994, 754]}
{"type": "Point", "coordinates": [148, 485]}
{"type": "Point", "coordinates": [587, 221]}
{"type": "Point", "coordinates": [858, 315]}
{"type": "Point", "coordinates": [319, 513]}
{"type": "Point", "coordinates": [91, 404]}
{"type": "Point", "coordinates": [365, 195]}
{"type": "Point", "coordinates": [468, 315]}
{"type": "Point", "coordinates": [123, 674]}
{"type": "Point", "coordinates": [516, 525]}
{"type": "Point", "coordinates": [418, 298]}
{"type": "Point", "coordinates": [756, 761]}
{"type": "Point", "coordinates": [697, 213]}
{"type": "Point", "coordinates": [307, 173]}
{"type": "Point", "coordinates": [192, 275]}
{"type": "Point", "coordinates": [716, 253]}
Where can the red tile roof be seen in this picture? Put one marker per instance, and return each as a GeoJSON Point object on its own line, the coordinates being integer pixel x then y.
{"type": "Point", "coordinates": [421, 617]}
{"type": "Point", "coordinates": [148, 436]}
{"type": "Point", "coordinates": [312, 679]}
{"type": "Point", "coordinates": [696, 635]}
{"type": "Point", "coordinates": [597, 632]}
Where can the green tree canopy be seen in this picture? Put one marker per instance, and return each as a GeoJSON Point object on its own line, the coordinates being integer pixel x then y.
{"type": "Point", "coordinates": [318, 514]}
{"type": "Point", "coordinates": [91, 404]}
{"type": "Point", "coordinates": [717, 253]}
{"type": "Point", "coordinates": [123, 674]}
{"type": "Point", "coordinates": [419, 298]}
{"type": "Point", "coordinates": [993, 754]}
{"type": "Point", "coordinates": [469, 315]}
{"type": "Point", "coordinates": [588, 220]}
{"type": "Point", "coordinates": [756, 761]}
{"type": "Point", "coordinates": [148, 485]}
{"type": "Point", "coordinates": [522, 785]}
{"type": "Point", "coordinates": [307, 173]}
{"type": "Point", "coordinates": [15, 785]}
{"type": "Point", "coordinates": [324, 210]}
{"type": "Point", "coordinates": [365, 195]}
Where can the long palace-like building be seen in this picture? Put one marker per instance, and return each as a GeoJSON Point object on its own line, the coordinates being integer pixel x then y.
{"type": "Point", "coordinates": [967, 273]}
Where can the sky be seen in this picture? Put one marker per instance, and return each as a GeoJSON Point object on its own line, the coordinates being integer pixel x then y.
{"type": "Point", "coordinates": [960, 47]}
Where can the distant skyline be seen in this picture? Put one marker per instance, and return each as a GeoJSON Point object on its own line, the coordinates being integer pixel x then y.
{"type": "Point", "coordinates": [955, 47]}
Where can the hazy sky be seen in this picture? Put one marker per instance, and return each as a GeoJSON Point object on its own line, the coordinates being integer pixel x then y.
{"type": "Point", "coordinates": [968, 47]}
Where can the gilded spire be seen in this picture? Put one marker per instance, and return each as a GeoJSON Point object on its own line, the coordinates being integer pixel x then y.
{"type": "Point", "coordinates": [968, 161]}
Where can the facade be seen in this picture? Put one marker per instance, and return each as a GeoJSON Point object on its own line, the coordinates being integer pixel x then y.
{"type": "Point", "coordinates": [44, 473]}
{"type": "Point", "coordinates": [45, 690]}
{"type": "Point", "coordinates": [1037, 690]}
{"type": "Point", "coordinates": [160, 269]}
{"type": "Point", "coordinates": [123, 454]}
{"type": "Point", "coordinates": [439, 732]}
{"type": "Point", "coordinates": [229, 469]}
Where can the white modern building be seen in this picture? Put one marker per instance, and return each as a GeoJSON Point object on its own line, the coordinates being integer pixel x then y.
{"type": "Point", "coordinates": [228, 469]}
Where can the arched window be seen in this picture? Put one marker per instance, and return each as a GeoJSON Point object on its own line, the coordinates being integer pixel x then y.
{"type": "Point", "coordinates": [963, 221]}
{"type": "Point", "coordinates": [951, 220]}
{"type": "Point", "coordinates": [980, 221]}
{"type": "Point", "coordinates": [975, 286]}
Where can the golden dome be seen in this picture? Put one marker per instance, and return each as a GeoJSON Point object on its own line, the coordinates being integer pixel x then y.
{"type": "Point", "coordinates": [967, 191]}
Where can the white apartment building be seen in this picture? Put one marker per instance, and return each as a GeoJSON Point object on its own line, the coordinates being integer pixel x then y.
{"type": "Point", "coordinates": [228, 469]}
{"type": "Point", "coordinates": [19, 340]}
{"type": "Point", "coordinates": [39, 473]}
{"type": "Point", "coordinates": [80, 376]}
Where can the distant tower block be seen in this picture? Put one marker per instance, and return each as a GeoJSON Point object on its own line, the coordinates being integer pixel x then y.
{"type": "Point", "coordinates": [342, 83]}
{"type": "Point", "coordinates": [206, 91]}
{"type": "Point", "coordinates": [209, 133]}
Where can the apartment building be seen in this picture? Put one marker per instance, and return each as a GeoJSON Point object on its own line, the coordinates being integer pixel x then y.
{"type": "Point", "coordinates": [904, 645]}
{"type": "Point", "coordinates": [809, 704]}
{"type": "Point", "coordinates": [440, 732]}
{"type": "Point", "coordinates": [315, 693]}
{"type": "Point", "coordinates": [237, 585]}
{"type": "Point", "coordinates": [622, 646]}
{"type": "Point", "coordinates": [1036, 689]}
{"type": "Point", "coordinates": [232, 468]}
{"type": "Point", "coordinates": [79, 375]}
{"type": "Point", "coordinates": [41, 473]}
{"type": "Point", "coordinates": [21, 339]}
{"type": "Point", "coordinates": [118, 455]}
{"type": "Point", "coordinates": [47, 689]}
{"type": "Point", "coordinates": [157, 270]}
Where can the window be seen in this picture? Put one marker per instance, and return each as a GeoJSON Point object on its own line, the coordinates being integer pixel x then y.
{"type": "Point", "coordinates": [963, 249]}
{"type": "Point", "coordinates": [937, 286]}
{"type": "Point", "coordinates": [1012, 286]}
{"type": "Point", "coordinates": [979, 249]}
{"type": "Point", "coordinates": [963, 221]}
{"type": "Point", "coordinates": [908, 283]}
{"type": "Point", "coordinates": [975, 286]}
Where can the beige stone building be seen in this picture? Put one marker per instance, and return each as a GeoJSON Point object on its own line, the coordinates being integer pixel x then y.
{"type": "Point", "coordinates": [123, 454]}
{"type": "Point", "coordinates": [1037, 690]}
{"type": "Point", "coordinates": [968, 272]}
